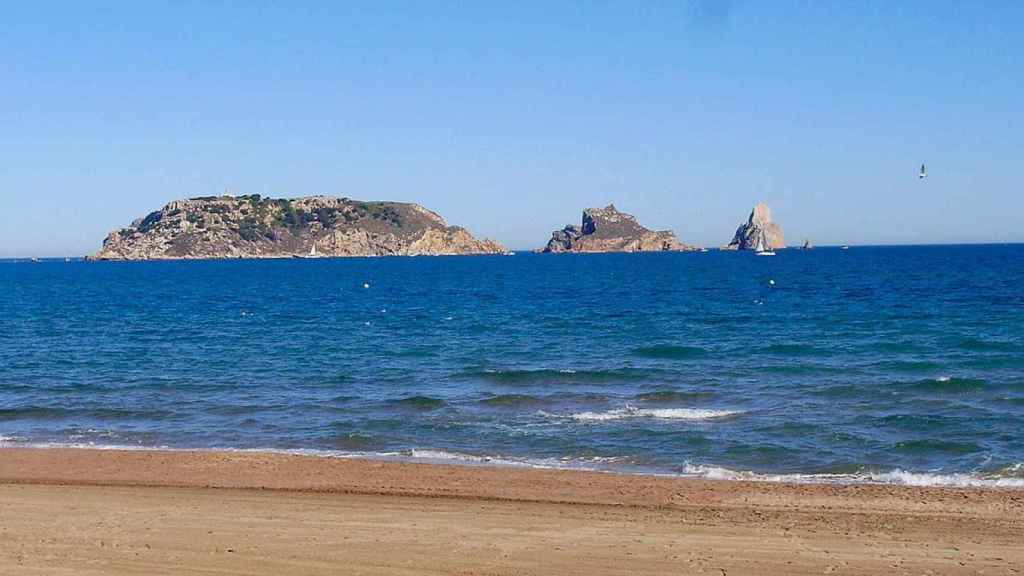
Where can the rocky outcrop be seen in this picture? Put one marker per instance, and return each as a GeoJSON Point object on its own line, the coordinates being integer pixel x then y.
{"type": "Point", "coordinates": [608, 230]}
{"type": "Point", "coordinates": [759, 232]}
{"type": "Point", "coordinates": [256, 227]}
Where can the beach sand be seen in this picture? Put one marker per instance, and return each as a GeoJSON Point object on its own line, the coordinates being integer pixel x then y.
{"type": "Point", "coordinates": [68, 511]}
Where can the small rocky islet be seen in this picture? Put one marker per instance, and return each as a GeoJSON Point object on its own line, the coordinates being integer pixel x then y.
{"type": "Point", "coordinates": [759, 232]}
{"type": "Point", "coordinates": [608, 230]}
{"type": "Point", "coordinates": [320, 226]}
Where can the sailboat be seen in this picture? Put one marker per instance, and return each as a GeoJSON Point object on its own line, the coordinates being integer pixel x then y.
{"type": "Point", "coordinates": [312, 253]}
{"type": "Point", "coordinates": [761, 249]}
{"type": "Point", "coordinates": [922, 174]}
{"type": "Point", "coordinates": [807, 245]}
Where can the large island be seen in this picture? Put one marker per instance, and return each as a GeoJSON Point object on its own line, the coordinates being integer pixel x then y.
{"type": "Point", "coordinates": [256, 227]}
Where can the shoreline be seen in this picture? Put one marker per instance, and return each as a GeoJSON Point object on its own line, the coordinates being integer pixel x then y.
{"type": "Point", "coordinates": [80, 511]}
{"type": "Point", "coordinates": [702, 472]}
{"type": "Point", "coordinates": [298, 472]}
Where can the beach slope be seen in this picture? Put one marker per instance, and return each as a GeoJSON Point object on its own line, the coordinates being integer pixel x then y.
{"type": "Point", "coordinates": [161, 512]}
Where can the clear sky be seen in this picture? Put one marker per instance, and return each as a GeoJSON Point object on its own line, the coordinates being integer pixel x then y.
{"type": "Point", "coordinates": [510, 118]}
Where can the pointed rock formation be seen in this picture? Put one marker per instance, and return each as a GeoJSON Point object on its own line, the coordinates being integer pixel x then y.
{"type": "Point", "coordinates": [608, 230]}
{"type": "Point", "coordinates": [316, 226]}
{"type": "Point", "coordinates": [759, 232]}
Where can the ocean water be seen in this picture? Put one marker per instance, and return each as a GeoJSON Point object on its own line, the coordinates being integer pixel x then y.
{"type": "Point", "coordinates": [887, 364]}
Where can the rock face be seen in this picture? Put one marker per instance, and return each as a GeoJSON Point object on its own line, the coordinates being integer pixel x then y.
{"type": "Point", "coordinates": [759, 232]}
{"type": "Point", "coordinates": [256, 227]}
{"type": "Point", "coordinates": [608, 230]}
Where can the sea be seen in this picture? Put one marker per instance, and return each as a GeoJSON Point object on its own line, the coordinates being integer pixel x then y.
{"type": "Point", "coordinates": [899, 365]}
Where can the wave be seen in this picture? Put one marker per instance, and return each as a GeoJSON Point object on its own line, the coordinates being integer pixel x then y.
{"type": "Point", "coordinates": [979, 345]}
{"type": "Point", "coordinates": [562, 376]}
{"type": "Point", "coordinates": [948, 384]}
{"type": "Point", "coordinates": [801, 369]}
{"type": "Point", "coordinates": [58, 413]}
{"type": "Point", "coordinates": [31, 412]}
{"type": "Point", "coordinates": [418, 402]}
{"type": "Point", "coordinates": [354, 441]}
{"type": "Point", "coordinates": [990, 362]}
{"type": "Point", "coordinates": [692, 414]}
{"type": "Point", "coordinates": [668, 352]}
{"type": "Point", "coordinates": [416, 352]}
{"type": "Point", "coordinates": [666, 396]}
{"type": "Point", "coordinates": [795, 350]}
{"type": "Point", "coordinates": [903, 347]}
{"type": "Point", "coordinates": [919, 422]}
{"type": "Point", "coordinates": [931, 446]}
{"type": "Point", "coordinates": [850, 391]}
{"type": "Point", "coordinates": [512, 400]}
{"type": "Point", "coordinates": [1007, 477]}
{"type": "Point", "coordinates": [910, 365]}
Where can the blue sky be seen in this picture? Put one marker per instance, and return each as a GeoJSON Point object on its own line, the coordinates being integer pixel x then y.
{"type": "Point", "coordinates": [510, 118]}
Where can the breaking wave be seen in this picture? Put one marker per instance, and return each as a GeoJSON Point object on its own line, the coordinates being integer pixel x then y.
{"type": "Point", "coordinates": [692, 414]}
{"type": "Point", "coordinates": [1008, 477]}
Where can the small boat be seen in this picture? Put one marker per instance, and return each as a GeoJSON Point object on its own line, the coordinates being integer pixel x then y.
{"type": "Point", "coordinates": [844, 247]}
{"type": "Point", "coordinates": [922, 174]}
{"type": "Point", "coordinates": [312, 253]}
{"type": "Point", "coordinates": [762, 248]}
{"type": "Point", "coordinates": [704, 250]}
{"type": "Point", "coordinates": [35, 260]}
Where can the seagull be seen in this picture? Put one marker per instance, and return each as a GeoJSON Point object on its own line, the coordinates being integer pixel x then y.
{"type": "Point", "coordinates": [922, 174]}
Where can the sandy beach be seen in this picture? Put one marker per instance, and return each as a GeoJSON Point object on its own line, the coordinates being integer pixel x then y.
{"type": "Point", "coordinates": [67, 511]}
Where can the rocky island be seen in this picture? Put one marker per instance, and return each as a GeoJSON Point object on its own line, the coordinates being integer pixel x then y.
{"type": "Point", "coordinates": [759, 232]}
{"type": "Point", "coordinates": [608, 230]}
{"type": "Point", "coordinates": [256, 227]}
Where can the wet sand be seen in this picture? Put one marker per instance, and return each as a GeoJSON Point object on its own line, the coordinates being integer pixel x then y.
{"type": "Point", "coordinates": [65, 511]}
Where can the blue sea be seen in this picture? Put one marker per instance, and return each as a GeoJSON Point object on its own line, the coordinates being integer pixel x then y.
{"type": "Point", "coordinates": [874, 364]}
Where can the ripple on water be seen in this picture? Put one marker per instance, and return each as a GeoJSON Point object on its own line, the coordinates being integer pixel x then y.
{"type": "Point", "coordinates": [983, 345]}
{"type": "Point", "coordinates": [669, 352]}
{"type": "Point", "coordinates": [909, 366]}
{"type": "Point", "coordinates": [795, 350]}
{"type": "Point", "coordinates": [562, 376]}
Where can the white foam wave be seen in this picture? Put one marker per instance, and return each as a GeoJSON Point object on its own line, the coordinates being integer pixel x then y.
{"type": "Point", "coordinates": [959, 480]}
{"type": "Point", "coordinates": [462, 458]}
{"type": "Point", "coordinates": [1005, 479]}
{"type": "Point", "coordinates": [693, 414]}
